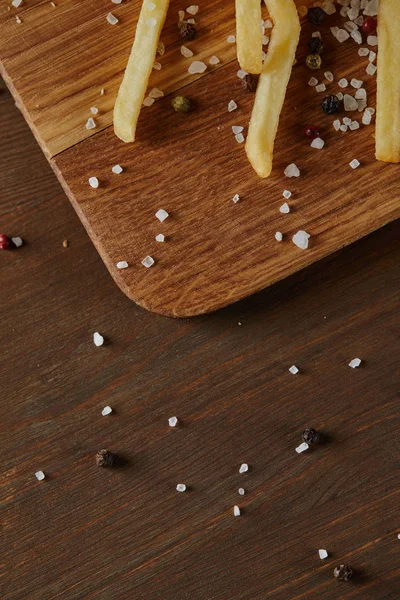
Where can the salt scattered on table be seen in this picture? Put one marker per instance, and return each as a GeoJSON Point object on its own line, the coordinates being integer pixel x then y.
{"type": "Point", "coordinates": [237, 129]}
{"type": "Point", "coordinates": [186, 52]}
{"type": "Point", "coordinates": [349, 103]}
{"type": "Point", "coordinates": [371, 8]}
{"type": "Point", "coordinates": [347, 121]}
{"type": "Point", "coordinates": [316, 34]}
{"type": "Point", "coordinates": [16, 3]}
{"type": "Point", "coordinates": [236, 198]}
{"type": "Point", "coordinates": [90, 123]}
{"type": "Point", "coordinates": [321, 87]}
{"type": "Point", "coordinates": [98, 339]}
{"type": "Point", "coordinates": [231, 39]}
{"type": "Point", "coordinates": [354, 164]}
{"type": "Point", "coordinates": [322, 554]}
{"type": "Point", "coordinates": [354, 125]}
{"type": "Point", "coordinates": [157, 66]}
{"type": "Point", "coordinates": [313, 81]}
{"type": "Point", "coordinates": [244, 467]}
{"type": "Point", "coordinates": [239, 138]}
{"type": "Point", "coordinates": [112, 19]}
{"type": "Point", "coordinates": [366, 118]}
{"type": "Point", "coordinates": [94, 110]}
{"type": "Point", "coordinates": [292, 171]}
{"type": "Point", "coordinates": [371, 69]}
{"type": "Point", "coordinates": [214, 60]}
{"type": "Point", "coordinates": [278, 236]}
{"type": "Point", "coordinates": [241, 492]}
{"type": "Point", "coordinates": [148, 262]}
{"type": "Point", "coordinates": [329, 8]}
{"type": "Point", "coordinates": [361, 94]}
{"type": "Point", "coordinates": [197, 66]}
{"type": "Point", "coordinates": [93, 182]}
{"type": "Point", "coordinates": [160, 237]}
{"type": "Point", "coordinates": [116, 1]}
{"type": "Point", "coordinates": [40, 475]}
{"type": "Point", "coordinates": [372, 40]}
{"type": "Point", "coordinates": [342, 35]}
{"type": "Point", "coordinates": [285, 208]}
{"type": "Point", "coordinates": [17, 241]}
{"type": "Point", "coordinates": [363, 52]}
{"type": "Point", "coordinates": [317, 143]}
{"type": "Point", "coordinates": [302, 448]}
{"type": "Point", "coordinates": [117, 169]}
{"type": "Point", "coordinates": [328, 76]}
{"type": "Point", "coordinates": [236, 511]}
{"type": "Point", "coordinates": [161, 215]}
{"type": "Point", "coordinates": [356, 83]}
{"type": "Point", "coordinates": [173, 421]}
{"type": "Point", "coordinates": [343, 128]}
{"type": "Point", "coordinates": [336, 124]}
{"type": "Point", "coordinates": [148, 101]}
{"type": "Point", "coordinates": [122, 264]}
{"type": "Point", "coordinates": [293, 369]}
{"type": "Point", "coordinates": [356, 362]}
{"type": "Point", "coordinates": [241, 73]}
{"type": "Point", "coordinates": [343, 82]}
{"type": "Point", "coordinates": [232, 106]}
{"type": "Point", "coordinates": [107, 410]}
{"type": "Point", "coordinates": [371, 56]}
{"type": "Point", "coordinates": [156, 93]}
{"type": "Point", "coordinates": [181, 487]}
{"type": "Point", "coordinates": [339, 96]}
{"type": "Point", "coordinates": [193, 9]}
{"type": "Point", "coordinates": [357, 37]}
{"type": "Point", "coordinates": [300, 239]}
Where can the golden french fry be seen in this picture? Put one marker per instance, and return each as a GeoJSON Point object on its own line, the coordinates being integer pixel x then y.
{"type": "Point", "coordinates": [140, 64]}
{"type": "Point", "coordinates": [272, 84]}
{"type": "Point", "coordinates": [249, 35]}
{"type": "Point", "coordinates": [387, 136]}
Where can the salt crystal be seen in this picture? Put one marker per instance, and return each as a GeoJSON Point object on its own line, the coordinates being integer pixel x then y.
{"type": "Point", "coordinates": [231, 39]}
{"type": "Point", "coordinates": [214, 60]}
{"type": "Point", "coordinates": [294, 370]}
{"type": "Point", "coordinates": [197, 66]}
{"type": "Point", "coordinates": [160, 237]}
{"type": "Point", "coordinates": [356, 362]}
{"type": "Point", "coordinates": [232, 106]}
{"type": "Point", "coordinates": [292, 171]}
{"type": "Point", "coordinates": [350, 26]}
{"type": "Point", "coordinates": [334, 31]}
{"type": "Point", "coordinates": [162, 214]}
{"type": "Point", "coordinates": [343, 82]}
{"type": "Point", "coordinates": [300, 239]}
{"type": "Point", "coordinates": [343, 128]}
{"type": "Point", "coordinates": [361, 94]}
{"type": "Point", "coordinates": [241, 492]}
{"type": "Point", "coordinates": [285, 208]}
{"type": "Point", "coordinates": [313, 81]}
{"type": "Point", "coordinates": [328, 76]}
{"type": "Point", "coordinates": [303, 10]}
{"type": "Point", "coordinates": [181, 487]}
{"type": "Point", "coordinates": [193, 9]}
{"type": "Point", "coordinates": [236, 198]}
{"type": "Point", "coordinates": [241, 73]}
{"type": "Point", "coordinates": [286, 194]}
{"type": "Point", "coordinates": [94, 110]}
{"type": "Point", "coordinates": [102, 92]}
{"type": "Point", "coordinates": [372, 40]}
{"type": "Point", "coordinates": [316, 34]}
{"type": "Point", "coordinates": [17, 241]}
{"type": "Point", "coordinates": [361, 104]}
{"type": "Point", "coordinates": [342, 36]}
{"type": "Point", "coordinates": [157, 66]}
{"type": "Point", "coordinates": [329, 8]}
{"type": "Point", "coordinates": [354, 125]}
{"type": "Point", "coordinates": [239, 138]}
{"type": "Point", "coordinates": [16, 3]}
{"type": "Point", "coordinates": [371, 9]}
{"type": "Point", "coordinates": [278, 236]}
{"type": "Point", "coordinates": [98, 339]}
{"type": "Point", "coordinates": [317, 143]}
{"type": "Point", "coordinates": [113, 19]}
{"type": "Point", "coordinates": [366, 118]}
{"type": "Point", "coordinates": [236, 511]}
{"type": "Point", "coordinates": [343, 11]}
{"type": "Point", "coordinates": [370, 110]}
{"type": "Point", "coordinates": [353, 14]}
{"type": "Point", "coordinates": [398, 536]}
{"type": "Point", "coordinates": [321, 87]}
{"type": "Point", "coordinates": [117, 169]}
{"type": "Point", "coordinates": [322, 554]}
{"type": "Point", "coordinates": [156, 93]}
{"type": "Point", "coordinates": [93, 182]}
{"type": "Point", "coordinates": [356, 83]}
{"type": "Point", "coordinates": [90, 124]}
{"type": "Point", "coordinates": [150, 6]}
{"type": "Point", "coordinates": [349, 103]}
{"type": "Point", "coordinates": [191, 21]}
{"type": "Point", "coordinates": [186, 52]}
{"type": "Point", "coordinates": [237, 129]}
{"type": "Point", "coordinates": [172, 421]}
{"type": "Point", "coordinates": [304, 446]}
{"type": "Point", "coordinates": [107, 410]}
{"type": "Point", "coordinates": [359, 21]}
{"type": "Point", "coordinates": [363, 52]}
{"type": "Point", "coordinates": [181, 15]}
{"type": "Point", "coordinates": [371, 69]}
{"type": "Point", "coordinates": [357, 37]}
{"type": "Point", "coordinates": [18, 20]}
{"type": "Point", "coordinates": [372, 56]}
{"type": "Point", "coordinates": [339, 96]}
{"type": "Point", "coordinates": [354, 164]}
{"type": "Point", "coordinates": [122, 264]}
{"type": "Point", "coordinates": [148, 262]}
{"type": "Point", "coordinates": [336, 124]}
{"type": "Point", "coordinates": [265, 40]}
{"type": "Point", "coordinates": [267, 24]}
{"type": "Point", "coordinates": [116, 1]}
{"type": "Point", "coordinates": [40, 475]}
{"type": "Point", "coordinates": [151, 22]}
{"type": "Point", "coordinates": [244, 468]}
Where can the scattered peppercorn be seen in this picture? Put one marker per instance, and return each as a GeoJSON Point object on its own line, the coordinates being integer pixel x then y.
{"type": "Point", "coordinates": [316, 46]}
{"type": "Point", "coordinates": [316, 15]}
{"type": "Point", "coordinates": [181, 104]}
{"type": "Point", "coordinates": [104, 458]}
{"type": "Point", "coordinates": [187, 30]}
{"type": "Point", "coordinates": [330, 104]}
{"type": "Point", "coordinates": [250, 82]}
{"type": "Point", "coordinates": [314, 62]}
{"type": "Point", "coordinates": [369, 25]}
{"type": "Point", "coordinates": [342, 573]}
{"type": "Point", "coordinates": [5, 242]}
{"type": "Point", "coordinates": [310, 435]}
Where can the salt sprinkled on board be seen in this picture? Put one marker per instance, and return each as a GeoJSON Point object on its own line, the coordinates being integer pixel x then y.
{"type": "Point", "coordinates": [173, 421]}
{"type": "Point", "coordinates": [321, 87]}
{"type": "Point", "coordinates": [317, 143]}
{"type": "Point", "coordinates": [93, 182]}
{"type": "Point", "coordinates": [336, 124]}
{"type": "Point", "coordinates": [354, 163]}
{"type": "Point", "coordinates": [181, 15]}
{"type": "Point", "coordinates": [328, 76]}
{"type": "Point", "coordinates": [347, 121]}
{"type": "Point", "coordinates": [370, 110]}
{"type": "Point", "coordinates": [371, 9]}
{"type": "Point", "coordinates": [112, 19]}
{"type": "Point", "coordinates": [356, 362]}
{"type": "Point", "coordinates": [342, 35]}
{"type": "Point", "coordinates": [181, 487]}
{"type": "Point", "coordinates": [160, 237]}
{"type": "Point", "coordinates": [278, 236]}
{"type": "Point", "coordinates": [156, 93]}
{"type": "Point", "coordinates": [356, 83]}
{"type": "Point", "coordinates": [94, 110]}
{"type": "Point", "coordinates": [232, 106]}
{"type": "Point", "coordinates": [98, 339]}
{"type": "Point", "coordinates": [372, 40]}
{"type": "Point", "coordinates": [371, 69]}
{"type": "Point", "coordinates": [316, 34]}
{"type": "Point", "coordinates": [300, 239]}
{"type": "Point", "coordinates": [193, 9]}
{"type": "Point", "coordinates": [107, 410]}
{"type": "Point", "coordinates": [186, 52]}
{"type": "Point", "coordinates": [329, 8]}
{"type": "Point", "coordinates": [18, 20]}
{"type": "Point", "coordinates": [231, 39]}
{"type": "Point", "coordinates": [236, 511]}
{"type": "Point", "coordinates": [313, 81]}
{"type": "Point", "coordinates": [286, 194]}
{"type": "Point", "coordinates": [241, 73]}
{"type": "Point", "coordinates": [40, 475]}
{"type": "Point", "coordinates": [214, 60]}
{"type": "Point", "coordinates": [354, 125]}
{"type": "Point", "coordinates": [339, 96]}
{"type": "Point", "coordinates": [191, 21]}
{"type": "Point", "coordinates": [343, 128]}
{"type": "Point", "coordinates": [16, 3]}
{"type": "Point", "coordinates": [90, 124]}
{"type": "Point", "coordinates": [322, 554]}
{"type": "Point", "coordinates": [117, 169]}
{"type": "Point", "coordinates": [244, 467]}
{"type": "Point", "coordinates": [302, 448]}
{"type": "Point", "coordinates": [371, 56]}
{"type": "Point", "coordinates": [285, 208]}
{"type": "Point", "coordinates": [122, 264]}
{"type": "Point", "coordinates": [148, 262]}
{"type": "Point", "coordinates": [237, 129]}
{"type": "Point", "coordinates": [17, 241]}
{"type": "Point", "coordinates": [349, 103]}
{"type": "Point", "coordinates": [241, 492]}
{"type": "Point", "coordinates": [239, 138]}
{"type": "Point", "coordinates": [293, 369]}
{"type": "Point", "coordinates": [236, 198]}
{"type": "Point", "coordinates": [357, 37]}
{"type": "Point", "coordinates": [292, 171]}
{"type": "Point", "coordinates": [363, 52]}
{"type": "Point", "coordinates": [116, 1]}
{"type": "Point", "coordinates": [343, 82]}
{"type": "Point", "coordinates": [148, 101]}
{"type": "Point", "coordinates": [366, 118]}
{"type": "Point", "coordinates": [360, 94]}
{"type": "Point", "coordinates": [197, 66]}
{"type": "Point", "coordinates": [162, 214]}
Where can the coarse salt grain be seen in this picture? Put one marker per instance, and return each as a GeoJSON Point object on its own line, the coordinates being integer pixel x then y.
{"type": "Point", "coordinates": [18, 20]}
{"type": "Point", "coordinates": [371, 56]}
{"type": "Point", "coordinates": [237, 129]}
{"type": "Point", "coordinates": [267, 24]}
{"type": "Point", "coordinates": [117, 169]}
{"type": "Point", "coordinates": [316, 34]}
{"type": "Point", "coordinates": [363, 52]}
{"type": "Point", "coordinates": [214, 60]}
{"type": "Point", "coordinates": [342, 36]}
{"type": "Point", "coordinates": [278, 236]}
{"type": "Point", "coordinates": [361, 94]}
{"type": "Point", "coordinates": [371, 69]}
{"type": "Point", "coordinates": [148, 101]}
{"type": "Point", "coordinates": [156, 93]}
{"type": "Point", "coordinates": [313, 81]}
{"type": "Point", "coordinates": [17, 241]}
{"type": "Point", "coordinates": [122, 264]}
{"type": "Point", "coordinates": [112, 19]}
{"type": "Point", "coordinates": [317, 143]}
{"type": "Point", "coordinates": [231, 39]}
{"type": "Point", "coordinates": [322, 554]}
{"type": "Point", "coordinates": [173, 421]}
{"type": "Point", "coordinates": [372, 40]}
{"type": "Point", "coordinates": [16, 3]}
{"type": "Point", "coordinates": [350, 26]}
{"type": "Point", "coordinates": [116, 1]}
{"type": "Point", "coordinates": [93, 182]}
{"type": "Point", "coordinates": [353, 14]}
{"type": "Point", "coordinates": [285, 208]}
{"type": "Point", "coordinates": [292, 171]}
{"type": "Point", "coordinates": [329, 8]}
{"type": "Point", "coordinates": [344, 10]}
{"type": "Point", "coordinates": [244, 467]}
{"type": "Point", "coordinates": [366, 118]}
{"type": "Point", "coordinates": [371, 9]}
{"type": "Point", "coordinates": [148, 262]}
{"type": "Point", "coordinates": [160, 237]}
{"type": "Point", "coordinates": [354, 164]}
{"type": "Point", "coordinates": [239, 138]}
{"type": "Point", "coordinates": [343, 82]}
{"type": "Point", "coordinates": [294, 370]}
{"type": "Point", "coordinates": [361, 104]}
{"type": "Point", "coordinates": [241, 492]}
{"type": "Point", "coordinates": [336, 124]}
{"type": "Point", "coordinates": [356, 362]}
{"type": "Point", "coordinates": [191, 21]}
{"type": "Point", "coordinates": [347, 121]}
{"type": "Point", "coordinates": [370, 110]}
{"type": "Point", "coordinates": [181, 487]}
{"type": "Point", "coordinates": [90, 124]}
{"type": "Point", "coordinates": [357, 37]}
{"type": "Point", "coordinates": [286, 194]}
{"type": "Point", "coordinates": [343, 128]}
{"type": "Point", "coordinates": [339, 96]}
{"type": "Point", "coordinates": [236, 198]}
{"type": "Point", "coordinates": [328, 76]}
{"type": "Point", "coordinates": [356, 83]}
{"type": "Point", "coordinates": [162, 214]}
{"type": "Point", "coordinates": [186, 52]}
{"type": "Point", "coordinates": [181, 15]}
{"type": "Point", "coordinates": [236, 511]}
{"type": "Point", "coordinates": [321, 87]}
{"type": "Point", "coordinates": [300, 239]}
{"type": "Point", "coordinates": [107, 410]}
{"type": "Point", "coordinates": [197, 66]}
{"type": "Point", "coordinates": [40, 475]}
{"type": "Point", "coordinates": [302, 448]}
{"type": "Point", "coordinates": [98, 339]}
{"type": "Point", "coordinates": [241, 73]}
{"type": "Point", "coordinates": [232, 106]}
{"type": "Point", "coordinates": [359, 21]}
{"type": "Point", "coordinates": [193, 9]}
{"type": "Point", "coordinates": [354, 125]}
{"type": "Point", "coordinates": [94, 110]}
{"type": "Point", "coordinates": [334, 31]}
{"type": "Point", "coordinates": [349, 103]}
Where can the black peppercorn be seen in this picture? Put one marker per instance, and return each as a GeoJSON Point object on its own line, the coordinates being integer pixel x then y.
{"type": "Point", "coordinates": [330, 104]}
{"type": "Point", "coordinates": [249, 82]}
{"type": "Point", "coordinates": [316, 15]}
{"type": "Point", "coordinates": [314, 62]}
{"type": "Point", "coordinates": [187, 30]}
{"type": "Point", "coordinates": [311, 436]}
{"type": "Point", "coordinates": [342, 573]}
{"type": "Point", "coordinates": [180, 104]}
{"type": "Point", "coordinates": [104, 458]}
{"type": "Point", "coordinates": [316, 46]}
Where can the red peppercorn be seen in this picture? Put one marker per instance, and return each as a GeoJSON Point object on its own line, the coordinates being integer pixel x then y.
{"type": "Point", "coordinates": [5, 242]}
{"type": "Point", "coordinates": [311, 132]}
{"type": "Point", "coordinates": [369, 25]}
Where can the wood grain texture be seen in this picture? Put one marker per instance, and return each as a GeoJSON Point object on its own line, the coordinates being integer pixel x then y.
{"type": "Point", "coordinates": [113, 535]}
{"type": "Point", "coordinates": [216, 252]}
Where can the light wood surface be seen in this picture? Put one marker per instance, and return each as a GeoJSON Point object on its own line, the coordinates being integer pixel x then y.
{"type": "Point", "coordinates": [215, 252]}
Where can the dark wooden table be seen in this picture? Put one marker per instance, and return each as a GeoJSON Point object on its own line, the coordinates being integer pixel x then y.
{"type": "Point", "coordinates": [125, 533]}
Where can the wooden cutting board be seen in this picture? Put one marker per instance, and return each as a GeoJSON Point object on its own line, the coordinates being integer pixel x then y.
{"type": "Point", "coordinates": [57, 60]}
